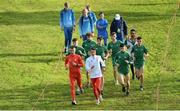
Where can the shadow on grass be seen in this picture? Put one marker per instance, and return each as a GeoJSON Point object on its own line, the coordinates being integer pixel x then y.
{"type": "Point", "coordinates": [57, 96]}
{"type": "Point", "coordinates": [32, 58]}
{"type": "Point", "coordinates": [21, 55]}
{"type": "Point", "coordinates": [26, 98]}
{"type": "Point", "coordinates": [45, 60]}
{"type": "Point", "coordinates": [52, 17]}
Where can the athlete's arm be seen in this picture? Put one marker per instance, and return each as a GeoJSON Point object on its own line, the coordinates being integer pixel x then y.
{"type": "Point", "coordinates": [102, 62]}
{"type": "Point", "coordinates": [145, 53]}
{"type": "Point", "coordinates": [88, 68]}
{"type": "Point", "coordinates": [66, 63]}
{"type": "Point", "coordinates": [128, 59]}
{"type": "Point", "coordinates": [110, 52]}
{"type": "Point", "coordinates": [106, 55]}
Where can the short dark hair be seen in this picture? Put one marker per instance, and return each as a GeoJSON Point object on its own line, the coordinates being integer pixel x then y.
{"type": "Point", "coordinates": [87, 7]}
{"type": "Point", "coordinates": [66, 4]}
{"type": "Point", "coordinates": [113, 33]}
{"type": "Point", "coordinates": [132, 30]}
{"type": "Point", "coordinates": [101, 13]}
{"type": "Point", "coordinates": [75, 39]}
{"type": "Point", "coordinates": [139, 38]}
{"type": "Point", "coordinates": [88, 34]}
{"type": "Point", "coordinates": [99, 38]}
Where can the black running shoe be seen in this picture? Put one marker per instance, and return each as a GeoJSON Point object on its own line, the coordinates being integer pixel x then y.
{"type": "Point", "coordinates": [74, 103]}
{"type": "Point", "coordinates": [123, 89]}
{"type": "Point", "coordinates": [82, 91]}
{"type": "Point", "coordinates": [127, 93]}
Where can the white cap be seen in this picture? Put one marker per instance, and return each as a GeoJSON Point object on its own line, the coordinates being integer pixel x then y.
{"type": "Point", "coordinates": [117, 17]}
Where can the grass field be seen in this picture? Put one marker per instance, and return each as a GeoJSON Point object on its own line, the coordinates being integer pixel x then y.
{"type": "Point", "coordinates": [32, 77]}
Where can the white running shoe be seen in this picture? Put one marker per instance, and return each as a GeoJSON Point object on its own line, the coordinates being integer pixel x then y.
{"type": "Point", "coordinates": [117, 83]}
{"type": "Point", "coordinates": [97, 102]}
{"type": "Point", "coordinates": [74, 102]}
{"type": "Point", "coordinates": [101, 98]}
{"type": "Point", "coordinates": [141, 88]}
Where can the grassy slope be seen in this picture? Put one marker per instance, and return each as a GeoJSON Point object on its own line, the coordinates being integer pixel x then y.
{"type": "Point", "coordinates": [30, 41]}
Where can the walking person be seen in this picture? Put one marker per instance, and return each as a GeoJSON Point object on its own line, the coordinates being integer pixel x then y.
{"type": "Point", "coordinates": [101, 26]}
{"type": "Point", "coordinates": [139, 53]}
{"type": "Point", "coordinates": [74, 62]}
{"type": "Point", "coordinates": [113, 48]}
{"type": "Point", "coordinates": [119, 26]}
{"type": "Point", "coordinates": [86, 25]}
{"type": "Point", "coordinates": [122, 60]}
{"type": "Point", "coordinates": [67, 24]}
{"type": "Point", "coordinates": [79, 51]}
{"type": "Point", "coordinates": [93, 67]}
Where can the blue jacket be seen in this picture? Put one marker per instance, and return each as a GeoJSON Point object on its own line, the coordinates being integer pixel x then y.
{"type": "Point", "coordinates": [85, 25]}
{"type": "Point", "coordinates": [102, 32]}
{"type": "Point", "coordinates": [67, 18]}
{"type": "Point", "coordinates": [93, 16]}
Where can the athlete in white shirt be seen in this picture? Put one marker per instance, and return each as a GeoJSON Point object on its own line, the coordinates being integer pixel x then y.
{"type": "Point", "coordinates": [93, 67]}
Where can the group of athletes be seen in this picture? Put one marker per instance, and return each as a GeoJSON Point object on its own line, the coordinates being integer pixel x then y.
{"type": "Point", "coordinates": [92, 54]}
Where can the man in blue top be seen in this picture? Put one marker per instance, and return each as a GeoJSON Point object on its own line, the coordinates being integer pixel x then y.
{"type": "Point", "coordinates": [91, 14]}
{"type": "Point", "coordinates": [85, 25]}
{"type": "Point", "coordinates": [119, 26]}
{"type": "Point", "coordinates": [101, 26]}
{"type": "Point", "coordinates": [67, 23]}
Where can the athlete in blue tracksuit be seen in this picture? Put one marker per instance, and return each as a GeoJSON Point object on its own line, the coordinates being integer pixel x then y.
{"type": "Point", "coordinates": [101, 26]}
{"type": "Point", "coordinates": [85, 25]}
{"type": "Point", "coordinates": [67, 23]}
{"type": "Point", "coordinates": [91, 14]}
{"type": "Point", "coordinates": [119, 26]}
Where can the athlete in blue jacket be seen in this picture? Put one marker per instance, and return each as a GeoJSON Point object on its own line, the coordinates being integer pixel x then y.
{"type": "Point", "coordinates": [101, 26]}
{"type": "Point", "coordinates": [85, 25]}
{"type": "Point", "coordinates": [91, 14]}
{"type": "Point", "coordinates": [67, 23]}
